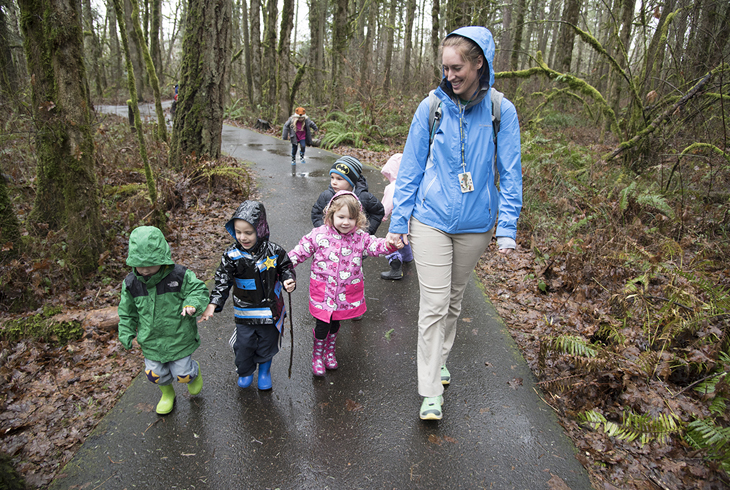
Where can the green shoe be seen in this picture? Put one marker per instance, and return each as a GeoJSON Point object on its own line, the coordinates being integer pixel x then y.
{"type": "Point", "coordinates": [445, 376]}
{"type": "Point", "coordinates": [167, 401]}
{"type": "Point", "coordinates": [196, 385]}
{"type": "Point", "coordinates": [431, 408]}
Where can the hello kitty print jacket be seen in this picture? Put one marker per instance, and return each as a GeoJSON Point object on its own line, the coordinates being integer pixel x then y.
{"type": "Point", "coordinates": [336, 289]}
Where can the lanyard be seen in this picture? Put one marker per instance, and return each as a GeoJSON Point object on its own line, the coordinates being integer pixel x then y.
{"type": "Point", "coordinates": [462, 137]}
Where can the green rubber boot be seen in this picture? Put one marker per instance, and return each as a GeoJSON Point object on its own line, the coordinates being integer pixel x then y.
{"type": "Point", "coordinates": [167, 401]}
{"type": "Point", "coordinates": [196, 385]}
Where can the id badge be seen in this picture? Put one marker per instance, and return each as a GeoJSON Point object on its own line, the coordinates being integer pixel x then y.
{"type": "Point", "coordinates": [465, 182]}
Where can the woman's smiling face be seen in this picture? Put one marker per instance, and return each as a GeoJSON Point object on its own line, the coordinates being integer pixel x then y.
{"type": "Point", "coordinates": [463, 76]}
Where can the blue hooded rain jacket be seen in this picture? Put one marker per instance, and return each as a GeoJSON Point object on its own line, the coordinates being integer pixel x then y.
{"type": "Point", "coordinates": [428, 187]}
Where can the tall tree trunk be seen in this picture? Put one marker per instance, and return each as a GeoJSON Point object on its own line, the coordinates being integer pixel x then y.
{"type": "Point", "coordinates": [571, 13]}
{"type": "Point", "coordinates": [10, 242]}
{"type": "Point", "coordinates": [315, 48]}
{"type": "Point", "coordinates": [155, 50]}
{"type": "Point", "coordinates": [53, 33]}
{"type": "Point", "coordinates": [246, 50]}
{"type": "Point", "coordinates": [283, 86]}
{"type": "Point", "coordinates": [367, 48]}
{"type": "Point", "coordinates": [206, 66]}
{"type": "Point", "coordinates": [270, 62]}
{"type": "Point", "coordinates": [135, 51]}
{"type": "Point", "coordinates": [256, 52]}
{"type": "Point", "coordinates": [389, 44]}
{"type": "Point", "coordinates": [655, 53]}
{"type": "Point", "coordinates": [92, 49]}
{"type": "Point", "coordinates": [410, 14]}
{"type": "Point", "coordinates": [115, 52]}
{"type": "Point", "coordinates": [151, 73]}
{"type": "Point", "coordinates": [8, 74]}
{"type": "Point", "coordinates": [504, 48]}
{"type": "Point", "coordinates": [435, 39]}
{"type": "Point", "coordinates": [339, 45]}
{"type": "Point", "coordinates": [517, 45]}
{"type": "Point", "coordinates": [158, 216]}
{"type": "Point", "coordinates": [624, 35]}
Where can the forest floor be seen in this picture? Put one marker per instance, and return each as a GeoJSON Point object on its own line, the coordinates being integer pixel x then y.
{"type": "Point", "coordinates": [52, 394]}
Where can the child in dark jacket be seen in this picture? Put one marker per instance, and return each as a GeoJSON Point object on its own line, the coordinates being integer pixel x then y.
{"type": "Point", "coordinates": [158, 306]}
{"type": "Point", "coordinates": [346, 175]}
{"type": "Point", "coordinates": [256, 269]}
{"type": "Point", "coordinates": [298, 129]}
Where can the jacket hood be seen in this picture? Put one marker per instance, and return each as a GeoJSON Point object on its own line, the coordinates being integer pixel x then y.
{"type": "Point", "coordinates": [148, 247]}
{"type": "Point", "coordinates": [390, 169]}
{"type": "Point", "coordinates": [254, 213]}
{"type": "Point", "coordinates": [342, 193]}
{"type": "Point", "coordinates": [483, 37]}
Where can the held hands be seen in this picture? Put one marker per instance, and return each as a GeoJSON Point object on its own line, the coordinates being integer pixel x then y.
{"type": "Point", "coordinates": [396, 240]}
{"type": "Point", "coordinates": [188, 310]}
{"type": "Point", "coordinates": [290, 285]}
{"type": "Point", "coordinates": [209, 310]}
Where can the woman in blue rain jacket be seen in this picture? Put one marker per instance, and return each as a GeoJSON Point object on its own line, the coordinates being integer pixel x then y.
{"type": "Point", "coordinates": [446, 202]}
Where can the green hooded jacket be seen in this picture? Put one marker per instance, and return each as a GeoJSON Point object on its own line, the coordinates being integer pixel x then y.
{"type": "Point", "coordinates": [151, 307]}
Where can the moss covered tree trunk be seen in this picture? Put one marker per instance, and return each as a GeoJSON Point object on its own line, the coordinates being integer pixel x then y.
{"type": "Point", "coordinates": [269, 61]}
{"type": "Point", "coordinates": [158, 216]}
{"type": "Point", "coordinates": [8, 74]}
{"type": "Point", "coordinates": [206, 66]}
{"type": "Point", "coordinates": [135, 52]}
{"type": "Point", "coordinates": [56, 37]}
{"type": "Point", "coordinates": [316, 48]}
{"type": "Point", "coordinates": [155, 50]}
{"type": "Point", "coordinates": [283, 85]}
{"type": "Point", "coordinates": [9, 226]}
{"type": "Point", "coordinates": [93, 58]}
{"type": "Point", "coordinates": [256, 52]}
{"type": "Point", "coordinates": [151, 72]}
{"type": "Point", "coordinates": [48, 207]}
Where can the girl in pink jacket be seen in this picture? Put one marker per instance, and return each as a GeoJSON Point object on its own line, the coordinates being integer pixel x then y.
{"type": "Point", "coordinates": [336, 289]}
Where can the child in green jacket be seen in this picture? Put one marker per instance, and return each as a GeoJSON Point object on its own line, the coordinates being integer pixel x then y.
{"type": "Point", "coordinates": [159, 302]}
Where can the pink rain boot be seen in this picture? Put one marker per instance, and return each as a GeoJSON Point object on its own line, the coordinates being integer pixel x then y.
{"type": "Point", "coordinates": [330, 362]}
{"type": "Point", "coordinates": [317, 353]}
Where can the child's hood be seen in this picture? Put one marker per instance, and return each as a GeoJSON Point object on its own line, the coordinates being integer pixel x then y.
{"type": "Point", "coordinates": [342, 193]}
{"type": "Point", "coordinates": [148, 247]}
{"type": "Point", "coordinates": [254, 213]}
{"type": "Point", "coordinates": [390, 169]}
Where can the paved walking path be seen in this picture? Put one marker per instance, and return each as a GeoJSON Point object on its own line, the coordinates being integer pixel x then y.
{"type": "Point", "coordinates": [358, 427]}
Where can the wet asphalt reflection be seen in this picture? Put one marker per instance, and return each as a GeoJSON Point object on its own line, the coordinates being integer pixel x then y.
{"type": "Point", "coordinates": [356, 427]}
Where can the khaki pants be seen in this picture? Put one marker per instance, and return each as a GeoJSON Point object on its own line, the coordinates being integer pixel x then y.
{"type": "Point", "coordinates": [444, 263]}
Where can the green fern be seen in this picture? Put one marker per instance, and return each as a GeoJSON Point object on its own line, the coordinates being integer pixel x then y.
{"type": "Point", "coordinates": [566, 344]}
{"type": "Point", "coordinates": [634, 426]}
{"type": "Point", "coordinates": [648, 197]}
{"type": "Point", "coordinates": [705, 435]}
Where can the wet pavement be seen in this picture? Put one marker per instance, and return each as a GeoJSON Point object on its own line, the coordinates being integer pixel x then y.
{"type": "Point", "coordinates": [358, 426]}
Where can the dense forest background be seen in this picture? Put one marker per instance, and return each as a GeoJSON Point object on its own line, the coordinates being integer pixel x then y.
{"type": "Point", "coordinates": [619, 295]}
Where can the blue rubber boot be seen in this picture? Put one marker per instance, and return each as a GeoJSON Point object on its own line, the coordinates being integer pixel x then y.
{"type": "Point", "coordinates": [265, 376]}
{"type": "Point", "coordinates": [245, 381]}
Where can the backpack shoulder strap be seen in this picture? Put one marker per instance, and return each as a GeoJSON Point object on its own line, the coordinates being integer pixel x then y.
{"type": "Point", "coordinates": [496, 97]}
{"type": "Point", "coordinates": [434, 114]}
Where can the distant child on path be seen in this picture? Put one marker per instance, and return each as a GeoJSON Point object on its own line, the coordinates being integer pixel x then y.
{"type": "Point", "coordinates": [158, 305]}
{"type": "Point", "coordinates": [336, 288]}
{"type": "Point", "coordinates": [346, 175]}
{"type": "Point", "coordinates": [298, 129]}
{"type": "Point", "coordinates": [396, 259]}
{"type": "Point", "coordinates": [256, 269]}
